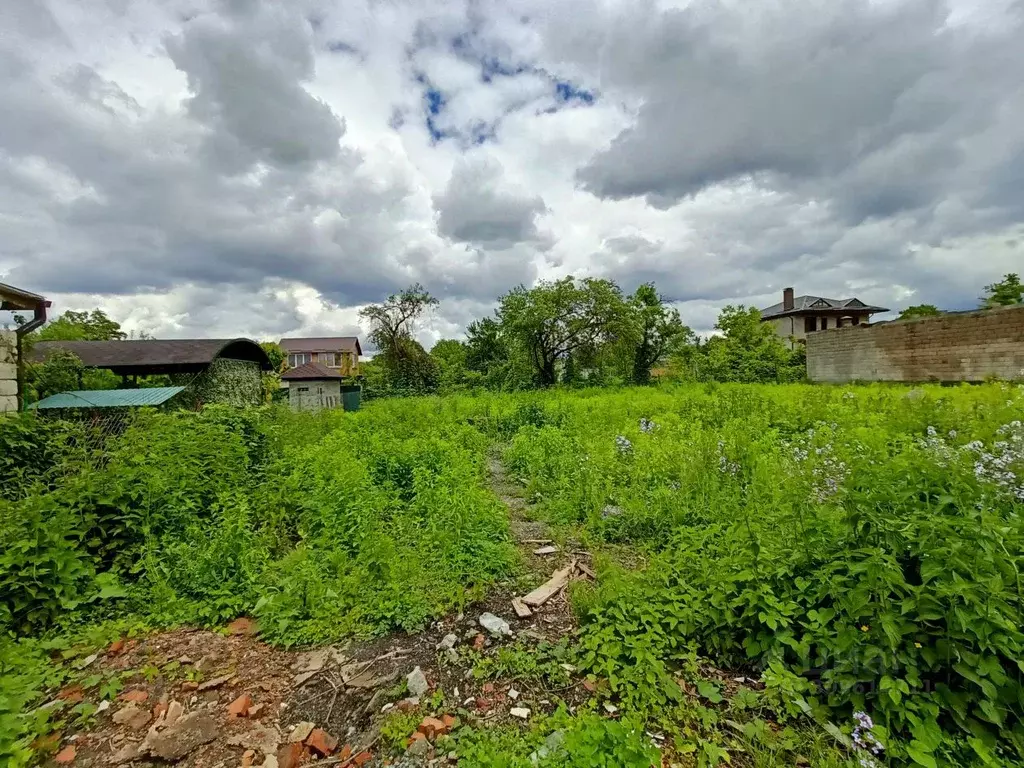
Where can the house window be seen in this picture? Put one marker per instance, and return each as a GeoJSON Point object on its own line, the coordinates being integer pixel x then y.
{"type": "Point", "coordinates": [302, 389]}
{"type": "Point", "coordinates": [856, 319]}
{"type": "Point", "coordinates": [330, 359]}
{"type": "Point", "coordinates": [810, 324]}
{"type": "Point", "coordinates": [824, 323]}
{"type": "Point", "coordinates": [295, 359]}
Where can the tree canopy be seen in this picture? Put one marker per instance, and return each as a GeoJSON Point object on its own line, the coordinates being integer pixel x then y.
{"type": "Point", "coordinates": [920, 310]}
{"type": "Point", "coordinates": [81, 326]}
{"type": "Point", "coordinates": [1005, 293]}
{"type": "Point", "coordinates": [402, 365]}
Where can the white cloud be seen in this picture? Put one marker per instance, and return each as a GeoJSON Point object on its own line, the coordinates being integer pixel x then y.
{"type": "Point", "coordinates": [244, 167]}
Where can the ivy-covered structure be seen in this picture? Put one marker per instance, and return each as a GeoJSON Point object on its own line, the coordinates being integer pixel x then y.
{"type": "Point", "coordinates": [225, 371]}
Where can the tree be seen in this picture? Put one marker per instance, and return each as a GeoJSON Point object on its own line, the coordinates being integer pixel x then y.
{"type": "Point", "coordinates": [449, 356]}
{"type": "Point", "coordinates": [276, 354]}
{"type": "Point", "coordinates": [920, 310]}
{"type": "Point", "coordinates": [405, 365]}
{"type": "Point", "coordinates": [81, 326]}
{"type": "Point", "coordinates": [655, 328]}
{"type": "Point", "coordinates": [557, 319]}
{"type": "Point", "coordinates": [749, 350]}
{"type": "Point", "coordinates": [1005, 293]}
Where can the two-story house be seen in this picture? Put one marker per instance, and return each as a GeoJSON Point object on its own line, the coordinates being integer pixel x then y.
{"type": "Point", "coordinates": [338, 353]}
{"type": "Point", "coordinates": [796, 316]}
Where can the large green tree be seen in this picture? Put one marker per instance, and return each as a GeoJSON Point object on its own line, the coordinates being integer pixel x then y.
{"type": "Point", "coordinates": [555, 320]}
{"type": "Point", "coordinates": [653, 329]}
{"type": "Point", "coordinates": [1005, 293]}
{"type": "Point", "coordinates": [749, 350]}
{"type": "Point", "coordinates": [81, 326]}
{"type": "Point", "coordinates": [404, 364]}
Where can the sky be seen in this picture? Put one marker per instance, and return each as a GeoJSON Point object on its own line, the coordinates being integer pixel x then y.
{"type": "Point", "coordinates": [257, 168]}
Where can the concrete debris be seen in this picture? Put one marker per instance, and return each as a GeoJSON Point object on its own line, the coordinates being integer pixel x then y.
{"type": "Point", "coordinates": [513, 694]}
{"type": "Point", "coordinates": [263, 739]}
{"type": "Point", "coordinates": [610, 708]}
{"type": "Point", "coordinates": [416, 682]}
{"type": "Point", "coordinates": [611, 511]}
{"type": "Point", "coordinates": [214, 683]}
{"type": "Point", "coordinates": [132, 715]}
{"type": "Point", "coordinates": [521, 712]}
{"type": "Point", "coordinates": [301, 732]}
{"type": "Point", "coordinates": [548, 550]}
{"type": "Point", "coordinates": [494, 624]}
{"type": "Point", "coordinates": [452, 655]}
{"type": "Point", "coordinates": [178, 740]}
{"type": "Point", "coordinates": [448, 641]}
{"type": "Point", "coordinates": [103, 706]}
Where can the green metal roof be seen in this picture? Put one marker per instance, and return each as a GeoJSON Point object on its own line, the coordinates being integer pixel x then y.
{"type": "Point", "coordinates": [109, 398]}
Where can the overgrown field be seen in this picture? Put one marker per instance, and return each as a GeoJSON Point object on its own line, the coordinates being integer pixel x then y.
{"type": "Point", "coordinates": [858, 550]}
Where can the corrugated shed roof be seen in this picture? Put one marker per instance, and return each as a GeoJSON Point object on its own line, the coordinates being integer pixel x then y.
{"type": "Point", "coordinates": [310, 371]}
{"type": "Point", "coordinates": [322, 344]}
{"type": "Point", "coordinates": [109, 398]}
{"type": "Point", "coordinates": [809, 303]}
{"type": "Point", "coordinates": [154, 353]}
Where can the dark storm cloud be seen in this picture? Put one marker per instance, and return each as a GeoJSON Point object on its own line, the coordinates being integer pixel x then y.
{"type": "Point", "coordinates": [879, 107]}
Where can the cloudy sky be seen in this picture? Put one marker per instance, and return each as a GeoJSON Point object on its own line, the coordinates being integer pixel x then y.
{"type": "Point", "coordinates": [264, 168]}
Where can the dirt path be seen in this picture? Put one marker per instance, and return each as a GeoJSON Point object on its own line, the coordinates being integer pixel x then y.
{"type": "Point", "coordinates": [226, 699]}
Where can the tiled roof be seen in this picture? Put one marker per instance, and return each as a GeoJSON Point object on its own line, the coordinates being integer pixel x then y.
{"type": "Point", "coordinates": [109, 398]}
{"type": "Point", "coordinates": [153, 353]}
{"type": "Point", "coordinates": [322, 344]}
{"type": "Point", "coordinates": [310, 371]}
{"type": "Point", "coordinates": [816, 303]}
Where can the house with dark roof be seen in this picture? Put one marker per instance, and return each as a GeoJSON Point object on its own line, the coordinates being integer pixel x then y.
{"type": "Point", "coordinates": [11, 371]}
{"type": "Point", "coordinates": [339, 353]}
{"type": "Point", "coordinates": [213, 370]}
{"type": "Point", "coordinates": [314, 386]}
{"type": "Point", "coordinates": [796, 316]}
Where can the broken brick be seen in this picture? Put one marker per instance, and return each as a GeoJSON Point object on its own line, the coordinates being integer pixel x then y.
{"type": "Point", "coordinates": [478, 642]}
{"type": "Point", "coordinates": [321, 742]}
{"type": "Point", "coordinates": [590, 685]}
{"type": "Point", "coordinates": [290, 755]}
{"type": "Point", "coordinates": [488, 687]}
{"type": "Point", "coordinates": [362, 758]}
{"type": "Point", "coordinates": [189, 685]}
{"type": "Point", "coordinates": [242, 626]}
{"type": "Point", "coordinates": [240, 706]}
{"type": "Point", "coordinates": [73, 694]}
{"type": "Point", "coordinates": [417, 736]}
{"type": "Point", "coordinates": [449, 722]}
{"type": "Point", "coordinates": [405, 705]}
{"type": "Point", "coordinates": [48, 743]}
{"type": "Point", "coordinates": [247, 758]}
{"type": "Point", "coordinates": [67, 755]}
{"type": "Point", "coordinates": [346, 752]}
{"type": "Point", "coordinates": [138, 696]}
{"type": "Point", "coordinates": [159, 710]}
{"type": "Point", "coordinates": [116, 647]}
{"type": "Point", "coordinates": [431, 727]}
{"type": "Point", "coordinates": [482, 703]}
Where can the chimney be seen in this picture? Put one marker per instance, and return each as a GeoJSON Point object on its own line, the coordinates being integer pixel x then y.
{"type": "Point", "coordinates": [787, 300]}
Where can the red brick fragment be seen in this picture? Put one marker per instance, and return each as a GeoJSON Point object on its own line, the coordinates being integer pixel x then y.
{"type": "Point", "coordinates": [449, 722]}
{"type": "Point", "coordinates": [189, 685]}
{"type": "Point", "coordinates": [67, 755]}
{"type": "Point", "coordinates": [247, 757]}
{"type": "Point", "coordinates": [137, 695]}
{"type": "Point", "coordinates": [240, 706]}
{"type": "Point", "coordinates": [482, 703]}
{"type": "Point", "coordinates": [159, 710]}
{"type": "Point", "coordinates": [48, 743]}
{"type": "Point", "coordinates": [478, 642]}
{"type": "Point", "coordinates": [116, 647]}
{"type": "Point", "coordinates": [417, 736]}
{"type": "Point", "coordinates": [72, 694]}
{"type": "Point", "coordinates": [321, 742]}
{"type": "Point", "coordinates": [431, 727]}
{"type": "Point", "coordinates": [346, 752]}
{"type": "Point", "coordinates": [362, 758]}
{"type": "Point", "coordinates": [290, 755]}
{"type": "Point", "coordinates": [242, 626]}
{"type": "Point", "coordinates": [405, 705]}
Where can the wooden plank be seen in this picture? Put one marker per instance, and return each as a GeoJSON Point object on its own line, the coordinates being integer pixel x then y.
{"type": "Point", "coordinates": [551, 587]}
{"type": "Point", "coordinates": [586, 571]}
{"type": "Point", "coordinates": [522, 609]}
{"type": "Point", "coordinates": [549, 550]}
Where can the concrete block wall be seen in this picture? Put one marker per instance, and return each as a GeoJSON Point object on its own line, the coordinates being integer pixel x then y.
{"type": "Point", "coordinates": [8, 371]}
{"type": "Point", "coordinates": [963, 346]}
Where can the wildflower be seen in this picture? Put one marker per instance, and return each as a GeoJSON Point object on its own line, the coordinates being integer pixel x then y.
{"type": "Point", "coordinates": [917, 645]}
{"type": "Point", "coordinates": [623, 444]}
{"type": "Point", "coordinates": [647, 426]}
{"type": "Point", "coordinates": [864, 627]}
{"type": "Point", "coordinates": [864, 740]}
{"type": "Point", "coordinates": [932, 432]}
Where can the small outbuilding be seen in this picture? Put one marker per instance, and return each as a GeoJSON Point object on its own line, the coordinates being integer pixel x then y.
{"type": "Point", "coordinates": [314, 386]}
